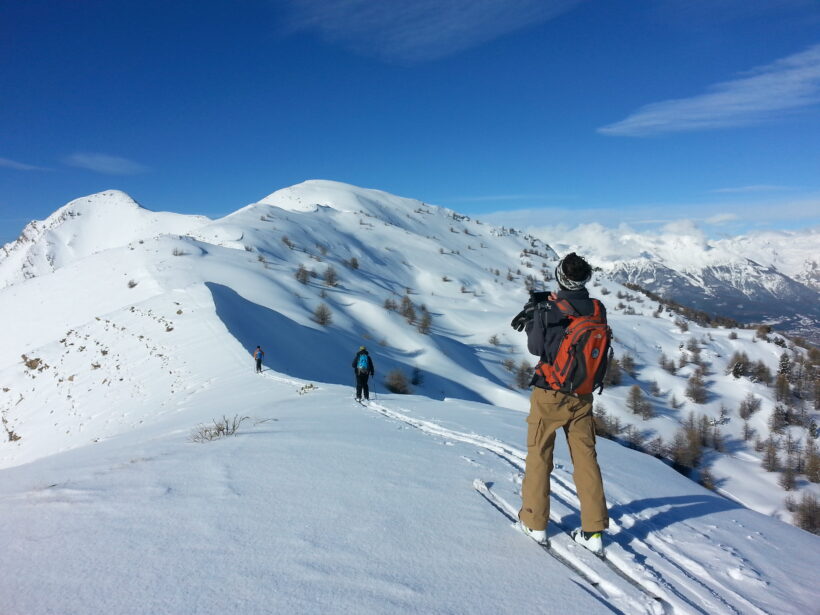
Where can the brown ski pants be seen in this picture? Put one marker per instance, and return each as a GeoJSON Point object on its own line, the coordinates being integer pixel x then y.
{"type": "Point", "coordinates": [550, 410]}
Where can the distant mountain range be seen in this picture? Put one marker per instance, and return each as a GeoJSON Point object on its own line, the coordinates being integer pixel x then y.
{"type": "Point", "coordinates": [766, 277]}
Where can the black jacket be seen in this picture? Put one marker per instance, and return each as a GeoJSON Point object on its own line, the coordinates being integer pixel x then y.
{"type": "Point", "coordinates": [546, 329]}
{"type": "Point", "coordinates": [370, 368]}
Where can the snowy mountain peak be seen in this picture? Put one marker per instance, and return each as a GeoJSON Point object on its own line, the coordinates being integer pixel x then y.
{"type": "Point", "coordinates": [83, 227]}
{"type": "Point", "coordinates": [315, 193]}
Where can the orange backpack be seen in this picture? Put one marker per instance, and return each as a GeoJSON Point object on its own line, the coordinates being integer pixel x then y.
{"type": "Point", "coordinates": [583, 354]}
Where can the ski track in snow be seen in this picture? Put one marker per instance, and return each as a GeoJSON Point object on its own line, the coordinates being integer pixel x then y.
{"type": "Point", "coordinates": [680, 580]}
{"type": "Point", "coordinates": [560, 548]}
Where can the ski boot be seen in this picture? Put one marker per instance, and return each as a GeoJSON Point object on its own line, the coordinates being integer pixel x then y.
{"type": "Point", "coordinates": [539, 536]}
{"type": "Point", "coordinates": [594, 541]}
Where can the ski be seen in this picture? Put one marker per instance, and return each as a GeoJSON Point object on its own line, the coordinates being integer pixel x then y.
{"type": "Point", "coordinates": [617, 569]}
{"type": "Point", "coordinates": [655, 603]}
{"type": "Point", "coordinates": [503, 507]}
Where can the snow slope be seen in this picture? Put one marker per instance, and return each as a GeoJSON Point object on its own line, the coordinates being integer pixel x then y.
{"type": "Point", "coordinates": [109, 507]}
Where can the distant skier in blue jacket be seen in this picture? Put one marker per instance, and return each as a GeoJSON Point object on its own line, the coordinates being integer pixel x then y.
{"type": "Point", "coordinates": [363, 368]}
{"type": "Point", "coordinates": [258, 354]}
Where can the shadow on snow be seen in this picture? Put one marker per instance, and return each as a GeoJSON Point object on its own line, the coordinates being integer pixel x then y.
{"type": "Point", "coordinates": [310, 353]}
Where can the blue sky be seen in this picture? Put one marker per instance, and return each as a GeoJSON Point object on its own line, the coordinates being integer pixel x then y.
{"type": "Point", "coordinates": [635, 112]}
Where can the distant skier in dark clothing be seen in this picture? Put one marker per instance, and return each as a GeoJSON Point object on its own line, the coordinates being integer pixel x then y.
{"type": "Point", "coordinates": [258, 354]}
{"type": "Point", "coordinates": [363, 368]}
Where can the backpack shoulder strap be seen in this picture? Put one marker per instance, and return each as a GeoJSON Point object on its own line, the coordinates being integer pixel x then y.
{"type": "Point", "coordinates": [597, 308]}
{"type": "Point", "coordinates": [565, 307]}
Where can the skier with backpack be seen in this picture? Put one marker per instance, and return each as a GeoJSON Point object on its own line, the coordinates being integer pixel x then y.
{"type": "Point", "coordinates": [567, 330]}
{"type": "Point", "coordinates": [363, 369]}
{"type": "Point", "coordinates": [258, 354]}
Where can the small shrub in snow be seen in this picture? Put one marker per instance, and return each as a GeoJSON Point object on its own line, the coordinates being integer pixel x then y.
{"type": "Point", "coordinates": [748, 431]}
{"type": "Point", "coordinates": [628, 364]}
{"type": "Point", "coordinates": [655, 447]}
{"type": "Point", "coordinates": [219, 429]}
{"type": "Point", "coordinates": [811, 464]}
{"type": "Point", "coordinates": [692, 344]}
{"type": "Point", "coordinates": [674, 402]}
{"type": "Point", "coordinates": [407, 310]}
{"type": "Point", "coordinates": [779, 418]}
{"type": "Point", "coordinates": [788, 477]}
{"type": "Point", "coordinates": [808, 513]}
{"type": "Point", "coordinates": [762, 332]}
{"type": "Point", "coordinates": [353, 263]}
{"type": "Point", "coordinates": [706, 479]}
{"type": "Point", "coordinates": [738, 365]}
{"type": "Point", "coordinates": [633, 437]}
{"type": "Point", "coordinates": [508, 364]}
{"type": "Point", "coordinates": [771, 461]}
{"type": "Point", "coordinates": [494, 341]}
{"type": "Point", "coordinates": [31, 363]}
{"type": "Point", "coordinates": [696, 388]}
{"type": "Point", "coordinates": [613, 373]}
{"type": "Point", "coordinates": [761, 373]}
{"type": "Point", "coordinates": [307, 388]}
{"type": "Point", "coordinates": [10, 433]}
{"type": "Point", "coordinates": [132, 283]}
{"type": "Point", "coordinates": [331, 277]}
{"type": "Point", "coordinates": [523, 375]}
{"type": "Point", "coordinates": [748, 406]}
{"type": "Point", "coordinates": [322, 314]}
{"type": "Point", "coordinates": [784, 366]}
{"type": "Point", "coordinates": [426, 321]}
{"type": "Point", "coordinates": [179, 252]}
{"type": "Point", "coordinates": [396, 382]}
{"type": "Point", "coordinates": [639, 405]}
{"type": "Point", "coordinates": [782, 390]}
{"type": "Point", "coordinates": [302, 275]}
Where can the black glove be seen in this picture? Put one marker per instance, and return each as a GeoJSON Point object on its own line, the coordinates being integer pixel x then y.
{"type": "Point", "coordinates": [537, 300]}
{"type": "Point", "coordinates": [523, 317]}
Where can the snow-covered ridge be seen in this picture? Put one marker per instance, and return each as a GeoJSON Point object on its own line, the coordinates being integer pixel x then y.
{"type": "Point", "coordinates": [83, 227]}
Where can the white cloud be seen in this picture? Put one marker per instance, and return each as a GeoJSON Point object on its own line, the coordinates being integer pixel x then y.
{"type": "Point", "coordinates": [721, 219]}
{"type": "Point", "coordinates": [503, 197]}
{"type": "Point", "coordinates": [103, 163]}
{"type": "Point", "coordinates": [19, 166]}
{"type": "Point", "coordinates": [418, 30]}
{"type": "Point", "coordinates": [762, 94]}
{"type": "Point", "coordinates": [754, 188]}
{"type": "Point", "coordinates": [737, 216]}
